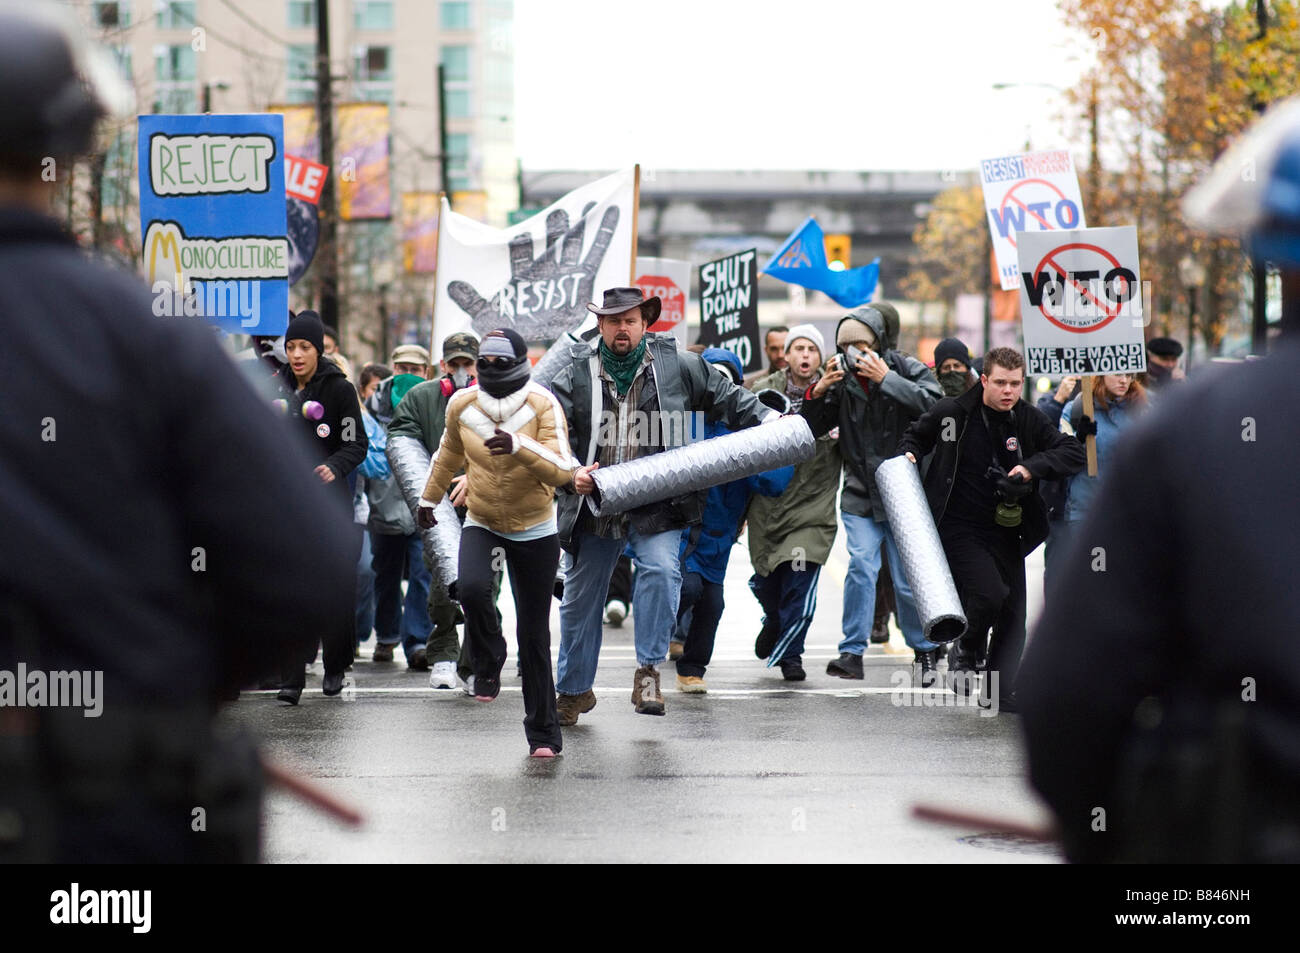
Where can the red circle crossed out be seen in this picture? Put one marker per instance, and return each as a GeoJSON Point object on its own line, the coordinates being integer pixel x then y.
{"type": "Point", "coordinates": [1006, 198]}
{"type": "Point", "coordinates": [1047, 260]}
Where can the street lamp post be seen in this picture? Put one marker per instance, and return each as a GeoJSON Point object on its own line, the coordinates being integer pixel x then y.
{"type": "Point", "coordinates": [1192, 274]}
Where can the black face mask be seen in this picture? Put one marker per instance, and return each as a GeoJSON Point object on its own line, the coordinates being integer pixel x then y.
{"type": "Point", "coordinates": [954, 383]}
{"type": "Point", "coordinates": [501, 380]}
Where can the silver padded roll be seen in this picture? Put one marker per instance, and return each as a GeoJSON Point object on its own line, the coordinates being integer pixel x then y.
{"type": "Point", "coordinates": [924, 562]}
{"type": "Point", "coordinates": [411, 465]}
{"type": "Point", "coordinates": [700, 465]}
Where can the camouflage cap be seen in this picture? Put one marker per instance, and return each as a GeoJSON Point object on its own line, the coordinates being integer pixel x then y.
{"type": "Point", "coordinates": [460, 344]}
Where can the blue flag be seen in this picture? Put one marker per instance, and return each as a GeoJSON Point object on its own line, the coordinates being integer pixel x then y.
{"type": "Point", "coordinates": [802, 261]}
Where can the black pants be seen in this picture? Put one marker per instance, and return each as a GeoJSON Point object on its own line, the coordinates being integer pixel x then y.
{"type": "Point", "coordinates": [989, 573]}
{"type": "Point", "coordinates": [886, 602]}
{"type": "Point", "coordinates": [532, 578]}
{"type": "Point", "coordinates": [339, 639]}
{"type": "Point", "coordinates": [621, 581]}
{"type": "Point", "coordinates": [703, 600]}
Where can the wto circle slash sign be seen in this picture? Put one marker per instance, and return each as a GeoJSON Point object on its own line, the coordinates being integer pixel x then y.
{"type": "Point", "coordinates": [1084, 297]}
{"type": "Point", "coordinates": [1035, 203]}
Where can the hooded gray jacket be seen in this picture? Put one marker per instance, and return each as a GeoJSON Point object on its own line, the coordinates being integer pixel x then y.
{"type": "Point", "coordinates": [871, 417]}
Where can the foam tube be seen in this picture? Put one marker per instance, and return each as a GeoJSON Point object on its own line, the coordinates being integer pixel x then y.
{"type": "Point", "coordinates": [924, 562]}
{"type": "Point", "coordinates": [700, 465]}
{"type": "Point", "coordinates": [411, 464]}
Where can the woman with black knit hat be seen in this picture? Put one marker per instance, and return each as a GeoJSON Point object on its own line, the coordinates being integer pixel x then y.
{"type": "Point", "coordinates": [511, 438]}
{"type": "Point", "coordinates": [325, 406]}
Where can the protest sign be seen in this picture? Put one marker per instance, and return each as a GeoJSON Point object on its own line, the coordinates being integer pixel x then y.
{"type": "Point", "coordinates": [1030, 192]}
{"type": "Point", "coordinates": [214, 219]}
{"type": "Point", "coordinates": [1081, 301]}
{"type": "Point", "coordinates": [729, 307]}
{"type": "Point", "coordinates": [303, 182]}
{"type": "Point", "coordinates": [536, 277]}
{"type": "Point", "coordinates": [670, 280]}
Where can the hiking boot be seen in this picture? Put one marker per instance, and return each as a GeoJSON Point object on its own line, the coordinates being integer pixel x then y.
{"type": "Point", "coordinates": [691, 685]}
{"type": "Point", "coordinates": [767, 638]}
{"type": "Point", "coordinates": [880, 633]}
{"type": "Point", "coordinates": [645, 691]}
{"type": "Point", "coordinates": [418, 660]}
{"type": "Point", "coordinates": [383, 652]}
{"type": "Point", "coordinates": [846, 666]}
{"type": "Point", "coordinates": [929, 662]}
{"type": "Point", "coordinates": [571, 706]}
{"type": "Point", "coordinates": [792, 669]}
{"type": "Point", "coordinates": [675, 650]}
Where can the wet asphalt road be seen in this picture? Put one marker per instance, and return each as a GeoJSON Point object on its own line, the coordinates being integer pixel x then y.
{"type": "Point", "coordinates": [757, 770]}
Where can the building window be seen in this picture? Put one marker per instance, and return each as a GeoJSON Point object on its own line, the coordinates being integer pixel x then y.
{"type": "Point", "coordinates": [455, 62]}
{"type": "Point", "coordinates": [176, 14]}
{"type": "Point", "coordinates": [301, 77]}
{"type": "Point", "coordinates": [174, 63]}
{"type": "Point", "coordinates": [169, 98]}
{"type": "Point", "coordinates": [372, 64]}
{"type": "Point", "coordinates": [455, 15]}
{"type": "Point", "coordinates": [302, 14]}
{"type": "Point", "coordinates": [458, 104]}
{"type": "Point", "coordinates": [111, 16]}
{"type": "Point", "coordinates": [458, 147]}
{"type": "Point", "coordinates": [372, 14]}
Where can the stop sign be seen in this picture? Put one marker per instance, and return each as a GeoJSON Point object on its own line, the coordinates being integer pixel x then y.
{"type": "Point", "coordinates": [673, 297]}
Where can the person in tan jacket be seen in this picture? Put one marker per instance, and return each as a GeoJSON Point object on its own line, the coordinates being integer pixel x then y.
{"type": "Point", "coordinates": [511, 438]}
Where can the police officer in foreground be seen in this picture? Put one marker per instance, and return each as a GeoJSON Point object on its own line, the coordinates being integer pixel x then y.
{"type": "Point", "coordinates": [1161, 696]}
{"type": "Point", "coordinates": [161, 542]}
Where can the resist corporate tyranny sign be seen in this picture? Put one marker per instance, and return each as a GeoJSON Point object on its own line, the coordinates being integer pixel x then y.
{"type": "Point", "coordinates": [213, 216]}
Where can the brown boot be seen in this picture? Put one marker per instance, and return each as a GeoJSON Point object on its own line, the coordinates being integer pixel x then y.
{"type": "Point", "coordinates": [571, 706]}
{"type": "Point", "coordinates": [645, 691]}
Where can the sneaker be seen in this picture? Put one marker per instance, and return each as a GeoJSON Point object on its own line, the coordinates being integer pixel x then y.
{"type": "Point", "coordinates": [675, 650]}
{"type": "Point", "coordinates": [486, 689]}
{"type": "Point", "coordinates": [383, 652]}
{"type": "Point", "coordinates": [846, 666]}
{"type": "Point", "coordinates": [615, 612]}
{"type": "Point", "coordinates": [418, 660]}
{"type": "Point", "coordinates": [571, 706]}
{"type": "Point", "coordinates": [466, 684]}
{"type": "Point", "coordinates": [929, 662]}
{"type": "Point", "coordinates": [692, 685]}
{"type": "Point", "coordinates": [766, 640]}
{"type": "Point", "coordinates": [792, 669]}
{"type": "Point", "coordinates": [443, 675]}
{"type": "Point", "coordinates": [645, 691]}
{"type": "Point", "coordinates": [543, 751]}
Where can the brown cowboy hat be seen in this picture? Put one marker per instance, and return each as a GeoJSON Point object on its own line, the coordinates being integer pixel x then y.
{"type": "Point", "coordinates": [618, 300]}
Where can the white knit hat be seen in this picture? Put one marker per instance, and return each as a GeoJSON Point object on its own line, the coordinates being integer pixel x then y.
{"type": "Point", "coordinates": [808, 332]}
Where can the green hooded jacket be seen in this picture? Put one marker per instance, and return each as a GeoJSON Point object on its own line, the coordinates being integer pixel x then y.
{"type": "Point", "coordinates": [801, 522]}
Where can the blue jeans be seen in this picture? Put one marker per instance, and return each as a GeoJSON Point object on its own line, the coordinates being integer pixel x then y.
{"type": "Point", "coordinates": [396, 620]}
{"type": "Point", "coordinates": [864, 536]}
{"type": "Point", "coordinates": [365, 592]}
{"type": "Point", "coordinates": [654, 607]}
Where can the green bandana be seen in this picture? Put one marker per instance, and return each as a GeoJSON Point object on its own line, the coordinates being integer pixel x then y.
{"type": "Point", "coordinates": [401, 384]}
{"type": "Point", "coordinates": [622, 369]}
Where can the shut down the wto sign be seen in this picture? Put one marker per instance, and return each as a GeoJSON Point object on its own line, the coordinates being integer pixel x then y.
{"type": "Point", "coordinates": [547, 295]}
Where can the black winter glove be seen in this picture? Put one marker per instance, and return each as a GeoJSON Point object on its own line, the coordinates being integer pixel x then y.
{"type": "Point", "coordinates": [1084, 427]}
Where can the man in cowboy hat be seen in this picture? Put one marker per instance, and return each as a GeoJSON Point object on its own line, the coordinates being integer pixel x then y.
{"type": "Point", "coordinates": [626, 394]}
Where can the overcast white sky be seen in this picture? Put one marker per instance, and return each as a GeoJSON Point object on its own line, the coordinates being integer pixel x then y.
{"type": "Point", "coordinates": [798, 84]}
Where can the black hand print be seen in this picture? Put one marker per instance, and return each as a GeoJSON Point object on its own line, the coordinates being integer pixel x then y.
{"type": "Point", "coordinates": [547, 295]}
